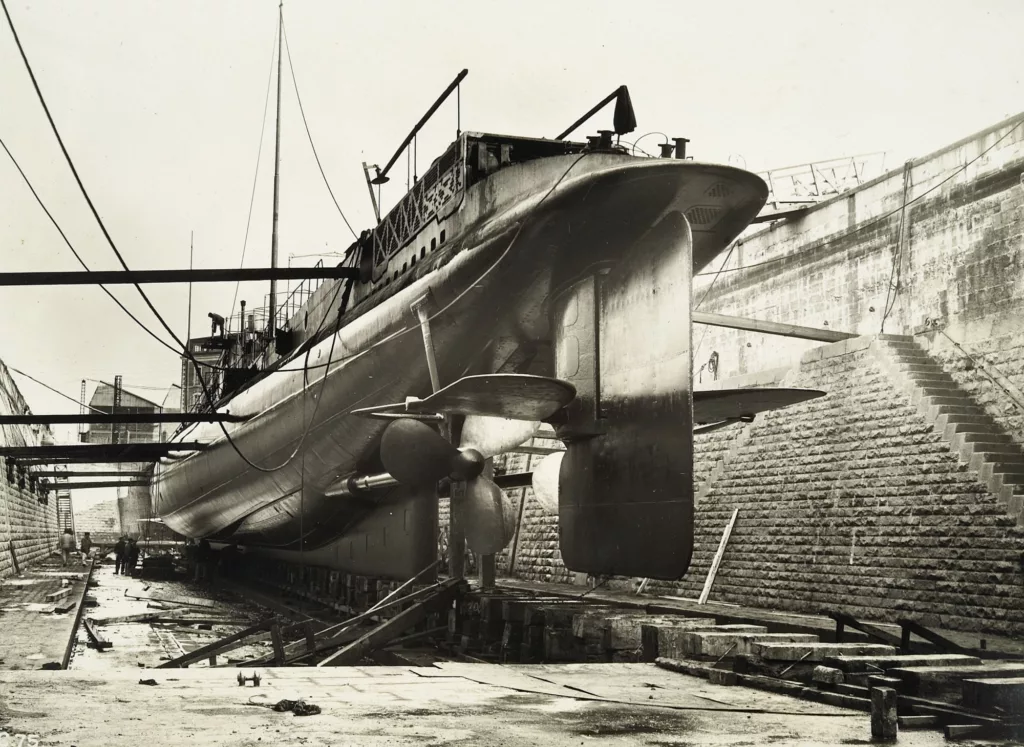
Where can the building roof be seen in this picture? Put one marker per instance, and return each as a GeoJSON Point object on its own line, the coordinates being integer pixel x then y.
{"type": "Point", "coordinates": [103, 396]}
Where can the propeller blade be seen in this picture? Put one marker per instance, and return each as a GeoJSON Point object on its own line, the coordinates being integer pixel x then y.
{"type": "Point", "coordinates": [491, 436]}
{"type": "Point", "coordinates": [545, 481]}
{"type": "Point", "coordinates": [490, 517]}
{"type": "Point", "coordinates": [415, 454]}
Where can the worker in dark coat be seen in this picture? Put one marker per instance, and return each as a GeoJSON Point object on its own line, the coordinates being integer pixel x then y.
{"type": "Point", "coordinates": [119, 549]}
{"type": "Point", "coordinates": [86, 548]}
{"type": "Point", "coordinates": [132, 555]}
{"type": "Point", "coordinates": [204, 558]}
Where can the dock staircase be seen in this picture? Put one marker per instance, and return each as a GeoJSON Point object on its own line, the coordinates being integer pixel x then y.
{"type": "Point", "coordinates": [970, 431]}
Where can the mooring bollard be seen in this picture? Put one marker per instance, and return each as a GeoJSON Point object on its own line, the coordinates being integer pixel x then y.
{"type": "Point", "coordinates": [883, 714]}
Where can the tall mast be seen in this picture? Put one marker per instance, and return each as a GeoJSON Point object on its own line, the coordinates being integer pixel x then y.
{"type": "Point", "coordinates": [272, 326]}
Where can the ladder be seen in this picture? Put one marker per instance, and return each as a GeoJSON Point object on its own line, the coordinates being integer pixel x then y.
{"type": "Point", "coordinates": [65, 514]}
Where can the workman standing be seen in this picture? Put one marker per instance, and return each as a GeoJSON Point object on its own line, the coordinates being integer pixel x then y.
{"type": "Point", "coordinates": [67, 545]}
{"type": "Point", "coordinates": [119, 549]}
{"type": "Point", "coordinates": [131, 555]}
{"type": "Point", "coordinates": [86, 547]}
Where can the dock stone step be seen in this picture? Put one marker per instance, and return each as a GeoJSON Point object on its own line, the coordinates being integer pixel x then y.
{"type": "Point", "coordinates": [622, 630]}
{"type": "Point", "coordinates": [671, 639]}
{"type": "Point", "coordinates": [818, 652]}
{"type": "Point", "coordinates": [734, 643]}
{"type": "Point", "coordinates": [946, 682]}
{"type": "Point", "coordinates": [862, 664]}
{"type": "Point", "coordinates": [1002, 695]}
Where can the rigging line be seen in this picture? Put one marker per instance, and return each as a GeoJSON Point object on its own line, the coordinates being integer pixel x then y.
{"type": "Point", "coordinates": [86, 267]}
{"type": "Point", "coordinates": [959, 170]}
{"type": "Point", "coordinates": [298, 98]}
{"type": "Point", "coordinates": [255, 177]}
{"type": "Point", "coordinates": [55, 391]}
{"type": "Point", "coordinates": [78, 178]}
{"type": "Point", "coordinates": [120, 258]}
{"type": "Point", "coordinates": [732, 247]}
{"type": "Point", "coordinates": [81, 261]}
{"type": "Point", "coordinates": [895, 273]}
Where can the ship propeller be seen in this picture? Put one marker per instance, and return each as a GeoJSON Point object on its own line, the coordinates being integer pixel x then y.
{"type": "Point", "coordinates": [415, 454]}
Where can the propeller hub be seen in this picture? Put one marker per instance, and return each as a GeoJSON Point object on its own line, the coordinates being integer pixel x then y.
{"type": "Point", "coordinates": [467, 465]}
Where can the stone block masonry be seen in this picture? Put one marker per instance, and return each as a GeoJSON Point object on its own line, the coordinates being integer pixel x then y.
{"type": "Point", "coordinates": [28, 527]}
{"type": "Point", "coordinates": [853, 502]}
{"type": "Point", "coordinates": [958, 258]}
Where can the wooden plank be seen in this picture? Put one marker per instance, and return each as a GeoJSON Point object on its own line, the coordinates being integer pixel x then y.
{"type": "Point", "coordinates": [205, 651]}
{"type": "Point", "coordinates": [713, 571]}
{"type": "Point", "coordinates": [138, 617]}
{"type": "Point", "coordinates": [55, 596]}
{"type": "Point", "coordinates": [310, 637]}
{"type": "Point", "coordinates": [870, 630]}
{"type": "Point", "coordinates": [418, 636]}
{"type": "Point", "coordinates": [917, 722]}
{"type": "Point", "coordinates": [948, 646]}
{"type": "Point", "coordinates": [98, 641]}
{"type": "Point", "coordinates": [278, 642]}
{"type": "Point", "coordinates": [73, 637]}
{"type": "Point", "coordinates": [959, 731]}
{"type": "Point", "coordinates": [389, 629]}
{"type": "Point", "coordinates": [198, 621]}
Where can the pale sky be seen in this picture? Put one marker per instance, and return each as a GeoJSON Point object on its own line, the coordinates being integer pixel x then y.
{"type": "Point", "coordinates": [161, 103]}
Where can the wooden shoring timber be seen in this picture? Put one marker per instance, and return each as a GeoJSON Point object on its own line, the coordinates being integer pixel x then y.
{"type": "Point", "coordinates": [939, 641]}
{"type": "Point", "coordinates": [100, 643]}
{"type": "Point", "coordinates": [390, 629]}
{"type": "Point", "coordinates": [339, 634]}
{"type": "Point", "coordinates": [139, 616]}
{"type": "Point", "coordinates": [73, 637]}
{"type": "Point", "coordinates": [713, 571]}
{"type": "Point", "coordinates": [204, 652]}
{"type": "Point", "coordinates": [872, 631]}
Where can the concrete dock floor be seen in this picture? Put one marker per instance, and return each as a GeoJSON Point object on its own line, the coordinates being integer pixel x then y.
{"type": "Point", "coordinates": [100, 700]}
{"type": "Point", "coordinates": [31, 633]}
{"type": "Point", "coordinates": [473, 704]}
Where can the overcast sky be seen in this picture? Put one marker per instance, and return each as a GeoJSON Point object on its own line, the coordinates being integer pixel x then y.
{"type": "Point", "coordinates": [161, 106]}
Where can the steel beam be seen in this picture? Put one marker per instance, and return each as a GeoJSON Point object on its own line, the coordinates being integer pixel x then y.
{"type": "Point", "coordinates": [90, 473]}
{"type": "Point", "coordinates": [140, 452]}
{"type": "Point", "coordinates": [123, 418]}
{"type": "Point", "coordinates": [100, 484]}
{"type": "Point", "coordinates": [232, 275]}
{"type": "Point", "coordinates": [771, 328]}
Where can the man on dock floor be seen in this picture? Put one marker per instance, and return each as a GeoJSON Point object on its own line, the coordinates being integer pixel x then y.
{"type": "Point", "coordinates": [119, 556]}
{"type": "Point", "coordinates": [67, 546]}
{"type": "Point", "coordinates": [86, 548]}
